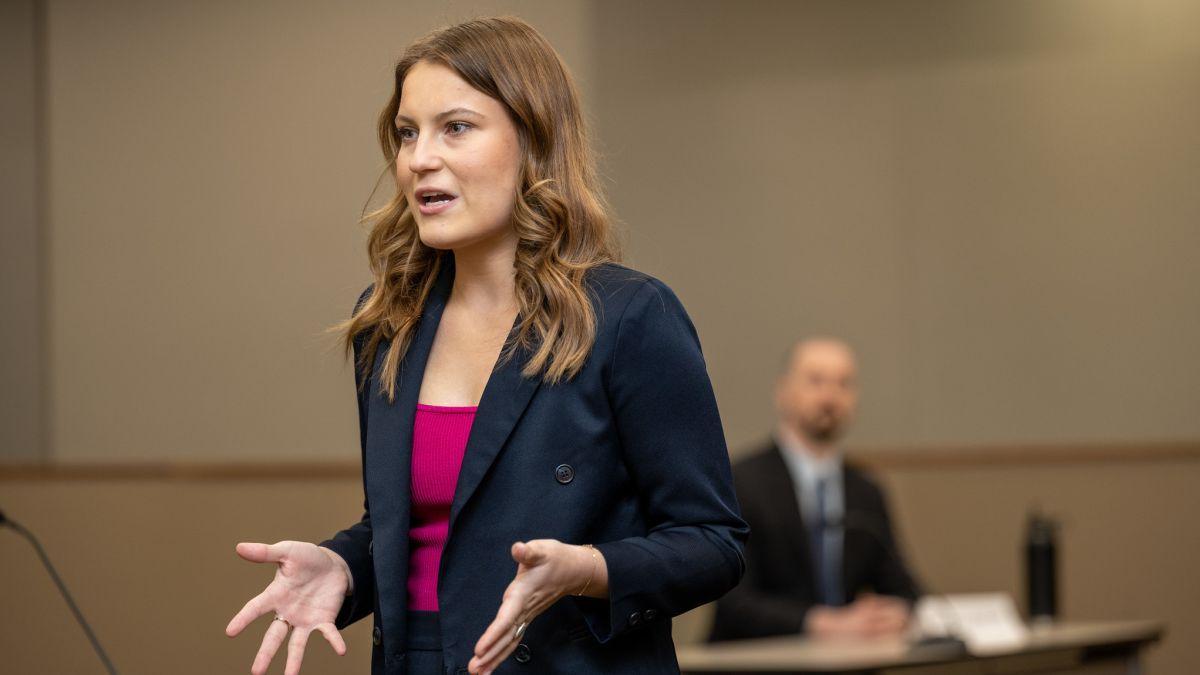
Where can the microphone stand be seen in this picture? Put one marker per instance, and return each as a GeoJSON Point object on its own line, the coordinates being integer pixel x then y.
{"type": "Point", "coordinates": [870, 525]}
{"type": "Point", "coordinates": [62, 588]}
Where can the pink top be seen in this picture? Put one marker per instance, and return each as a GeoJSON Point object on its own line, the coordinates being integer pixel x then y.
{"type": "Point", "coordinates": [439, 442]}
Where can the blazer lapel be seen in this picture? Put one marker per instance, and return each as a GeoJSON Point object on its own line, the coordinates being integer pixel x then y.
{"type": "Point", "coordinates": [389, 444]}
{"type": "Point", "coordinates": [504, 400]}
{"type": "Point", "coordinates": [792, 523]}
{"type": "Point", "coordinates": [390, 432]}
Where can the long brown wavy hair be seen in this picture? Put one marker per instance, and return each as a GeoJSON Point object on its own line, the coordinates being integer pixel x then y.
{"type": "Point", "coordinates": [560, 217]}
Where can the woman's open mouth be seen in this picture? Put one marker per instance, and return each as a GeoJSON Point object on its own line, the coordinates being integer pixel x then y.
{"type": "Point", "coordinates": [432, 201]}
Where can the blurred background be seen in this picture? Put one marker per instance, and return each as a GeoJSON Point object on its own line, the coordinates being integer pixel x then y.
{"type": "Point", "coordinates": [996, 202]}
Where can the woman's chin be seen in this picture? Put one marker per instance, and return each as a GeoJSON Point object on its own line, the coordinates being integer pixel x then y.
{"type": "Point", "coordinates": [437, 237]}
{"type": "Point", "coordinates": [451, 239]}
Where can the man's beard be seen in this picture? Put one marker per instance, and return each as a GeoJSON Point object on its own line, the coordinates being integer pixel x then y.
{"type": "Point", "coordinates": [824, 428]}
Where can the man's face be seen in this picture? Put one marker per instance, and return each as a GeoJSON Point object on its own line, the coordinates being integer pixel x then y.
{"type": "Point", "coordinates": [818, 393]}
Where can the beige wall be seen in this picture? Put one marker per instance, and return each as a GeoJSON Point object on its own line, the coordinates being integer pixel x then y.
{"type": "Point", "coordinates": [208, 163]}
{"type": "Point", "coordinates": [22, 264]}
{"type": "Point", "coordinates": [996, 201]}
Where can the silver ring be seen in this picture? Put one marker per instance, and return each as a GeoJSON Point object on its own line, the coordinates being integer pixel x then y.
{"type": "Point", "coordinates": [520, 632]}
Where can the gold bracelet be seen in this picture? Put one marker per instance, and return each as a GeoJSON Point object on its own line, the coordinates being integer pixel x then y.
{"type": "Point", "coordinates": [593, 574]}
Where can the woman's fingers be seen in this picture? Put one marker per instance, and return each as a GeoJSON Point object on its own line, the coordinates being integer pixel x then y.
{"type": "Point", "coordinates": [260, 553]}
{"type": "Point", "coordinates": [529, 553]}
{"type": "Point", "coordinates": [489, 659]}
{"type": "Point", "coordinates": [295, 650]}
{"type": "Point", "coordinates": [256, 607]}
{"type": "Point", "coordinates": [524, 599]}
{"type": "Point", "coordinates": [333, 637]}
{"type": "Point", "coordinates": [519, 551]}
{"type": "Point", "coordinates": [496, 636]}
{"type": "Point", "coordinates": [276, 632]}
{"type": "Point", "coordinates": [493, 661]}
{"type": "Point", "coordinates": [501, 628]}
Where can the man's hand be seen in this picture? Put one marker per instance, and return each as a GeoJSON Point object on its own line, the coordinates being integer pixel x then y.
{"type": "Point", "coordinates": [869, 616]}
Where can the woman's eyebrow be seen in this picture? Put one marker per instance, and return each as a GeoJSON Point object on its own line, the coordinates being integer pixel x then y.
{"type": "Point", "coordinates": [453, 112]}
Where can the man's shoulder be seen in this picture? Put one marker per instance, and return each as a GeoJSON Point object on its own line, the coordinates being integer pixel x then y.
{"type": "Point", "coordinates": [861, 479]}
{"type": "Point", "coordinates": [855, 470]}
{"type": "Point", "coordinates": [761, 479]}
{"type": "Point", "coordinates": [763, 458]}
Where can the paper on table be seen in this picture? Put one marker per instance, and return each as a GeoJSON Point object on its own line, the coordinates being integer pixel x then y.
{"type": "Point", "coordinates": [987, 622]}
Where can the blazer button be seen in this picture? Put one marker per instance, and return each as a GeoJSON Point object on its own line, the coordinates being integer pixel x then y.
{"type": "Point", "coordinates": [522, 653]}
{"type": "Point", "coordinates": [635, 619]}
{"type": "Point", "coordinates": [564, 473]}
{"type": "Point", "coordinates": [650, 615]}
{"type": "Point", "coordinates": [377, 636]}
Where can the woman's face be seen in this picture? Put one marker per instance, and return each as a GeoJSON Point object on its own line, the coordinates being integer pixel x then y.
{"type": "Point", "coordinates": [458, 162]}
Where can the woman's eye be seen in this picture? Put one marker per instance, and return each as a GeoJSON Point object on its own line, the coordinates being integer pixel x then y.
{"type": "Point", "coordinates": [406, 134]}
{"type": "Point", "coordinates": [456, 128]}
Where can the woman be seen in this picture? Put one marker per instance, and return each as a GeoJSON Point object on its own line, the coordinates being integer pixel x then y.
{"type": "Point", "coordinates": [544, 468]}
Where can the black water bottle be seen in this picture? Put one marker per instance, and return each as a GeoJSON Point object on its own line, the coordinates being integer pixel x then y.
{"type": "Point", "coordinates": [1041, 567]}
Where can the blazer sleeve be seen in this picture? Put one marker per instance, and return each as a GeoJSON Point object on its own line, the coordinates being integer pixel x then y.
{"type": "Point", "coordinates": [353, 544]}
{"type": "Point", "coordinates": [674, 449]}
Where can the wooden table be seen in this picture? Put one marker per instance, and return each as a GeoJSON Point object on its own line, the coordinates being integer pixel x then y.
{"type": "Point", "coordinates": [1096, 647]}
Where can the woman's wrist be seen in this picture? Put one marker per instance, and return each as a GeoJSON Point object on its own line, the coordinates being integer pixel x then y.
{"type": "Point", "coordinates": [591, 577]}
{"type": "Point", "coordinates": [588, 567]}
{"type": "Point", "coordinates": [341, 564]}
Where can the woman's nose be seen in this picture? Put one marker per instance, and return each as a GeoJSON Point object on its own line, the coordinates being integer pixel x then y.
{"type": "Point", "coordinates": [424, 157]}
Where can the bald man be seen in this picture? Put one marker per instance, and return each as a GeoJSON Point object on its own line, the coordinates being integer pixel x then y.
{"type": "Point", "coordinates": [822, 559]}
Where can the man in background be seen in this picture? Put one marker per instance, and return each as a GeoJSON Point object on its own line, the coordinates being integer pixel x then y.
{"type": "Point", "coordinates": [821, 559]}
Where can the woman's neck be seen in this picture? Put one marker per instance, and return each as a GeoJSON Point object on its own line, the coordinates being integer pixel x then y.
{"type": "Point", "coordinates": [484, 277]}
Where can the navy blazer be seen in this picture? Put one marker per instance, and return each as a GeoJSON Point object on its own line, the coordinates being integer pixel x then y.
{"type": "Point", "coordinates": [628, 455]}
{"type": "Point", "coordinates": [780, 584]}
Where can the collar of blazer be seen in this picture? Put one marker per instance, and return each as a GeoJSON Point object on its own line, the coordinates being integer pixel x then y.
{"type": "Point", "coordinates": [390, 430]}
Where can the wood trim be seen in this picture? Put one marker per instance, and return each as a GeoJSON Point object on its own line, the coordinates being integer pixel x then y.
{"type": "Point", "coordinates": [1029, 454]}
{"type": "Point", "coordinates": [180, 471]}
{"type": "Point", "coordinates": [880, 458]}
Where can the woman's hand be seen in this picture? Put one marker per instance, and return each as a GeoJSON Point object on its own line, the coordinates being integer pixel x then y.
{"type": "Point", "coordinates": [547, 570]}
{"type": "Point", "coordinates": [309, 587]}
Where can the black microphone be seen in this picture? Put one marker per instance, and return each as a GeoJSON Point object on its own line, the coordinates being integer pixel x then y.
{"type": "Point", "coordinates": [62, 588]}
{"type": "Point", "coordinates": [875, 527]}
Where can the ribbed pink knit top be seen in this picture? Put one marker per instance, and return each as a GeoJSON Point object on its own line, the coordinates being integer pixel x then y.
{"type": "Point", "coordinates": [439, 442]}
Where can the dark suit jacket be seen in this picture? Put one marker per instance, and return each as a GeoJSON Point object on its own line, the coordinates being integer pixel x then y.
{"type": "Point", "coordinates": [779, 586]}
{"type": "Point", "coordinates": [628, 455]}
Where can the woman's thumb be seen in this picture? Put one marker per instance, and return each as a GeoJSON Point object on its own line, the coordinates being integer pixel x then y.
{"type": "Point", "coordinates": [527, 553]}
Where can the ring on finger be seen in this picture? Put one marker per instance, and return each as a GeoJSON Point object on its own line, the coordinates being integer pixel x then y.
{"type": "Point", "coordinates": [520, 631]}
{"type": "Point", "coordinates": [285, 621]}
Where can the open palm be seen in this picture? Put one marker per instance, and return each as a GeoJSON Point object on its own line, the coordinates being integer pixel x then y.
{"type": "Point", "coordinates": [306, 594]}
